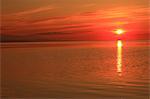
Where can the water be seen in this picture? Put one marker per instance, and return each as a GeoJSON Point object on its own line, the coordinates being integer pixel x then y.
{"type": "Point", "coordinates": [102, 70]}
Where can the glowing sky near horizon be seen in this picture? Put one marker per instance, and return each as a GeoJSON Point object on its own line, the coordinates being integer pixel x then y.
{"type": "Point", "coordinates": [40, 20]}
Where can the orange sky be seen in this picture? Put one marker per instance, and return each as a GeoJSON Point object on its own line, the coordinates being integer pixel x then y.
{"type": "Point", "coordinates": [46, 20]}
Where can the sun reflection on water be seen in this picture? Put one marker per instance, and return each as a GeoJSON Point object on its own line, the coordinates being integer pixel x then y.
{"type": "Point", "coordinates": [119, 57]}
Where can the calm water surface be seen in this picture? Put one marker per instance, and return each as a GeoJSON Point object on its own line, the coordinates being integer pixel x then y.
{"type": "Point", "coordinates": [103, 70]}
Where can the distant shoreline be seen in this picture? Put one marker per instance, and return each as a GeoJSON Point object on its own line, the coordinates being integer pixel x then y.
{"type": "Point", "coordinates": [68, 41]}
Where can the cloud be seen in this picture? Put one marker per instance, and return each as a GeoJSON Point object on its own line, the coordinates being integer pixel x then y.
{"type": "Point", "coordinates": [99, 21]}
{"type": "Point", "coordinates": [33, 11]}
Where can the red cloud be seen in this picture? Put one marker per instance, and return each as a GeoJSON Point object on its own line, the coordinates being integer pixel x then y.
{"type": "Point", "coordinates": [100, 22]}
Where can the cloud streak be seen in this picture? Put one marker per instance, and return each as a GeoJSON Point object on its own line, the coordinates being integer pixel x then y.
{"type": "Point", "coordinates": [33, 11]}
{"type": "Point", "coordinates": [98, 22]}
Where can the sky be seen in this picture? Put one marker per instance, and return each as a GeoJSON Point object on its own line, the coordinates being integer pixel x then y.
{"type": "Point", "coordinates": [57, 20]}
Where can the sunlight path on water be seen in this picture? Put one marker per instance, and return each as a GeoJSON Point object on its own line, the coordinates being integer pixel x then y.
{"type": "Point", "coordinates": [119, 57]}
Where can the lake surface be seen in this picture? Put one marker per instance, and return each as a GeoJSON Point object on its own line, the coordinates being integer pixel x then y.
{"type": "Point", "coordinates": [101, 70]}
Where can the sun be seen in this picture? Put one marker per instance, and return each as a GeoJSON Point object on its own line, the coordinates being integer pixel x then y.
{"type": "Point", "coordinates": [119, 31]}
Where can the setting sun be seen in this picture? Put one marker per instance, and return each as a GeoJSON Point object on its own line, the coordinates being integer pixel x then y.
{"type": "Point", "coordinates": [119, 31]}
